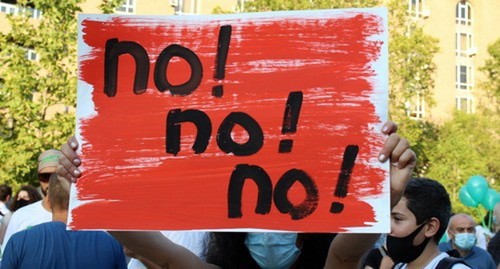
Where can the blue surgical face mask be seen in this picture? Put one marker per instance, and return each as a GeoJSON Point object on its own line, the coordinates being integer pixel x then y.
{"type": "Point", "coordinates": [465, 241]}
{"type": "Point", "coordinates": [273, 250]}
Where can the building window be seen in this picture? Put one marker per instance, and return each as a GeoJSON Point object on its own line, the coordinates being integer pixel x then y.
{"type": "Point", "coordinates": [464, 79]}
{"type": "Point", "coordinates": [463, 13]}
{"type": "Point", "coordinates": [416, 107]}
{"type": "Point", "coordinates": [464, 104]}
{"type": "Point", "coordinates": [417, 8]}
{"type": "Point", "coordinates": [35, 13]}
{"type": "Point", "coordinates": [240, 7]}
{"type": "Point", "coordinates": [128, 7]}
{"type": "Point", "coordinates": [31, 55]}
{"type": "Point", "coordinates": [464, 44]}
{"type": "Point", "coordinates": [8, 8]}
{"type": "Point", "coordinates": [186, 7]}
{"type": "Point", "coordinates": [15, 10]}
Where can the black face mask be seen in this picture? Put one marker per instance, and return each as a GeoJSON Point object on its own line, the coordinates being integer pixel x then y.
{"type": "Point", "coordinates": [21, 202]}
{"type": "Point", "coordinates": [402, 249]}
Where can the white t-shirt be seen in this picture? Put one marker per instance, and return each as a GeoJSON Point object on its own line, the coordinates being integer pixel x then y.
{"type": "Point", "coordinates": [26, 217]}
{"type": "Point", "coordinates": [4, 210]}
{"type": "Point", "coordinates": [481, 237]}
{"type": "Point", "coordinates": [192, 240]}
{"type": "Point", "coordinates": [434, 263]}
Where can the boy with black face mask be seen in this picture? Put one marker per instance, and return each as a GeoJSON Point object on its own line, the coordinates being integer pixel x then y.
{"type": "Point", "coordinates": [417, 223]}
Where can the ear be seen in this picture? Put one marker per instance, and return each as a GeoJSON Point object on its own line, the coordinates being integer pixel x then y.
{"type": "Point", "coordinates": [432, 227]}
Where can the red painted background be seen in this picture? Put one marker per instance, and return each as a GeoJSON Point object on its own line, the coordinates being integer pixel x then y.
{"type": "Point", "coordinates": [129, 180]}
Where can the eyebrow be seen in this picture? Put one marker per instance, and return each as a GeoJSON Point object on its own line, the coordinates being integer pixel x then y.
{"type": "Point", "coordinates": [465, 227]}
{"type": "Point", "coordinates": [397, 213]}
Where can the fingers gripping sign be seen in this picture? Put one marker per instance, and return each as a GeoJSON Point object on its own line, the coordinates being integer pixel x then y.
{"type": "Point", "coordinates": [403, 160]}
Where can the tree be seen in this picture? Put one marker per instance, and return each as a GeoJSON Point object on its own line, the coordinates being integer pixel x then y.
{"type": "Point", "coordinates": [490, 112]}
{"type": "Point", "coordinates": [464, 148]}
{"type": "Point", "coordinates": [278, 5]}
{"type": "Point", "coordinates": [31, 89]}
{"type": "Point", "coordinates": [491, 69]}
{"type": "Point", "coordinates": [411, 71]}
{"type": "Point", "coordinates": [467, 144]}
{"type": "Point", "coordinates": [411, 54]}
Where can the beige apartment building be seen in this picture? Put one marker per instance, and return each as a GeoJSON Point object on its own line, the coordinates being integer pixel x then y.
{"type": "Point", "coordinates": [465, 28]}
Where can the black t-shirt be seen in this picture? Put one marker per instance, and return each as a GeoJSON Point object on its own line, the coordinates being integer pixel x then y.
{"type": "Point", "coordinates": [373, 259]}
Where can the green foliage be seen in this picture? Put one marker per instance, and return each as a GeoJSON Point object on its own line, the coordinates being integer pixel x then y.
{"type": "Point", "coordinates": [109, 6]}
{"type": "Point", "coordinates": [220, 10]}
{"type": "Point", "coordinates": [275, 5]}
{"type": "Point", "coordinates": [30, 89]}
{"type": "Point", "coordinates": [464, 148]}
{"type": "Point", "coordinates": [468, 145]}
{"type": "Point", "coordinates": [278, 5]}
{"type": "Point", "coordinates": [492, 70]}
{"type": "Point", "coordinates": [411, 54]}
{"type": "Point", "coordinates": [422, 136]}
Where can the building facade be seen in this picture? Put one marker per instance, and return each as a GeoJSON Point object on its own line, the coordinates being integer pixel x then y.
{"type": "Point", "coordinates": [464, 29]}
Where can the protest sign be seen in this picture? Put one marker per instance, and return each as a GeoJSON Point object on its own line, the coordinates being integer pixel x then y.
{"type": "Point", "coordinates": [245, 121]}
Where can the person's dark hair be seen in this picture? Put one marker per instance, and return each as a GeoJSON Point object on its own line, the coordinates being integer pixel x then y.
{"type": "Point", "coordinates": [57, 195]}
{"type": "Point", "coordinates": [5, 192]}
{"type": "Point", "coordinates": [488, 219]}
{"type": "Point", "coordinates": [427, 198]}
{"type": "Point", "coordinates": [34, 196]}
{"type": "Point", "coordinates": [228, 250]}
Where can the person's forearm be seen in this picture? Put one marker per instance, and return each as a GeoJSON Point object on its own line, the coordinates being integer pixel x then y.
{"type": "Point", "coordinates": [160, 250]}
{"type": "Point", "coordinates": [347, 250]}
{"type": "Point", "coordinates": [149, 264]}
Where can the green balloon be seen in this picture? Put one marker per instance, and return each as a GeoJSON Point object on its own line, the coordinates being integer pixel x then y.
{"type": "Point", "coordinates": [466, 198]}
{"type": "Point", "coordinates": [477, 187]}
{"type": "Point", "coordinates": [490, 199]}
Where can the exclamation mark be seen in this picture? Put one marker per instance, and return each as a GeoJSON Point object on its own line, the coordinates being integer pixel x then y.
{"type": "Point", "coordinates": [290, 119]}
{"type": "Point", "coordinates": [221, 58]}
{"type": "Point", "coordinates": [350, 154]}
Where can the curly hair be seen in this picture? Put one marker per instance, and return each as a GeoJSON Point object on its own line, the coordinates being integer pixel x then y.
{"type": "Point", "coordinates": [34, 196]}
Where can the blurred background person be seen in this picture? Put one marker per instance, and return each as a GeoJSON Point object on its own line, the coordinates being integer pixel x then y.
{"type": "Point", "coordinates": [38, 212]}
{"type": "Point", "coordinates": [462, 234]}
{"type": "Point", "coordinates": [47, 161]}
{"type": "Point", "coordinates": [496, 218]}
{"type": "Point", "coordinates": [5, 194]}
{"type": "Point", "coordinates": [494, 243]}
{"type": "Point", "coordinates": [25, 196]}
{"type": "Point", "coordinates": [50, 245]}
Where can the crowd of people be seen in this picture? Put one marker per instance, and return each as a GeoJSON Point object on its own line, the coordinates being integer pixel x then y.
{"type": "Point", "coordinates": [33, 230]}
